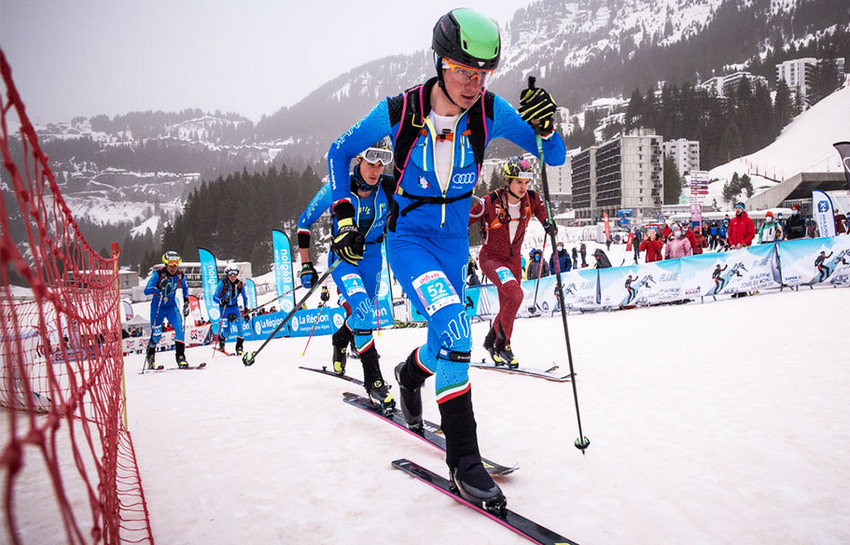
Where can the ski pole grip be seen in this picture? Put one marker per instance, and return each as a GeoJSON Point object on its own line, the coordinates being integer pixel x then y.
{"type": "Point", "coordinates": [531, 80]}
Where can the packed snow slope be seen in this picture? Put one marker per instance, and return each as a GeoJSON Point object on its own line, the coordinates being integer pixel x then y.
{"type": "Point", "coordinates": [722, 422]}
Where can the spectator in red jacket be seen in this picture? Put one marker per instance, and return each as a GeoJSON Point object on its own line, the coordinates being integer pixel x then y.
{"type": "Point", "coordinates": [652, 246]}
{"type": "Point", "coordinates": [741, 228]}
{"type": "Point", "coordinates": [699, 241]}
{"type": "Point", "coordinates": [503, 216]}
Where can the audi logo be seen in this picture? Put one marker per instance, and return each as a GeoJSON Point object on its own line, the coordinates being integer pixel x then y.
{"type": "Point", "coordinates": [465, 179]}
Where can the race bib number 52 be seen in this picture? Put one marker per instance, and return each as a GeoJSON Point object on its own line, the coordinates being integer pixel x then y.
{"type": "Point", "coordinates": [435, 291]}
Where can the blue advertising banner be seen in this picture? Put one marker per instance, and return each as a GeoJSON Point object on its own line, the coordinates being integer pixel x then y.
{"type": "Point", "coordinates": [327, 321]}
{"type": "Point", "coordinates": [209, 279]}
{"type": "Point", "coordinates": [283, 271]}
{"type": "Point", "coordinates": [811, 261]}
{"type": "Point", "coordinates": [251, 292]}
{"type": "Point", "coordinates": [263, 325]}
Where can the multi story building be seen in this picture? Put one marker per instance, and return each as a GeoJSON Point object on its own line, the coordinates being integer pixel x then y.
{"type": "Point", "coordinates": [725, 86]}
{"type": "Point", "coordinates": [624, 172]}
{"type": "Point", "coordinates": [799, 73]}
{"type": "Point", "coordinates": [685, 154]}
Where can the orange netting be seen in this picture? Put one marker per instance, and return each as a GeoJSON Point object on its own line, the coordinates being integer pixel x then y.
{"type": "Point", "coordinates": [69, 468]}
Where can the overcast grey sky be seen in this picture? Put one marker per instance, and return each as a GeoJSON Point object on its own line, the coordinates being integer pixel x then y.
{"type": "Point", "coordinates": [89, 57]}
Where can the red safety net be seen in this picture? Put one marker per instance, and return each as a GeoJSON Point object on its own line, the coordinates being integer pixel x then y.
{"type": "Point", "coordinates": [69, 469]}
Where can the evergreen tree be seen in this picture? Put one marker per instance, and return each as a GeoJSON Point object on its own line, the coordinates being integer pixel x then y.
{"type": "Point", "coordinates": [672, 181]}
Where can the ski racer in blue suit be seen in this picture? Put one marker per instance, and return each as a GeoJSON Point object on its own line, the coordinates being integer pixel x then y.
{"type": "Point", "coordinates": [227, 297]}
{"type": "Point", "coordinates": [439, 131]}
{"type": "Point", "coordinates": [163, 285]}
{"type": "Point", "coordinates": [369, 194]}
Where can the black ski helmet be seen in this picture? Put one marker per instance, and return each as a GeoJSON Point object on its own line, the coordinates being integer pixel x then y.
{"type": "Point", "coordinates": [467, 37]}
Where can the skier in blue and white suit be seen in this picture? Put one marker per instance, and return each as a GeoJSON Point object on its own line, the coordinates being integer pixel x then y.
{"type": "Point", "coordinates": [369, 193]}
{"type": "Point", "coordinates": [439, 132]}
{"type": "Point", "coordinates": [163, 285]}
{"type": "Point", "coordinates": [226, 295]}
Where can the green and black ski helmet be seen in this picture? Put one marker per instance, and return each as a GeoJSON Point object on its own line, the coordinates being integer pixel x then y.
{"type": "Point", "coordinates": [469, 38]}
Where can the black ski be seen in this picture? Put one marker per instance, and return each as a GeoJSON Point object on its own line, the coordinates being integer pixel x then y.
{"type": "Point", "coordinates": [430, 434]}
{"type": "Point", "coordinates": [148, 370]}
{"type": "Point", "coordinates": [201, 365]}
{"type": "Point", "coordinates": [548, 374]}
{"type": "Point", "coordinates": [510, 520]}
{"type": "Point", "coordinates": [324, 371]}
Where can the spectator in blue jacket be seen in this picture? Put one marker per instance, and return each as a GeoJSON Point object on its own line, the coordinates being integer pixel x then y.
{"type": "Point", "coordinates": [560, 260]}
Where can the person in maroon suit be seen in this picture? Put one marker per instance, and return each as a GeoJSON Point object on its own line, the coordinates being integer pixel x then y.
{"type": "Point", "coordinates": [503, 216]}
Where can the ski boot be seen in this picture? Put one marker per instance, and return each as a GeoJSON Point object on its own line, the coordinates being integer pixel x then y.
{"type": "Point", "coordinates": [221, 343]}
{"type": "Point", "coordinates": [352, 351]}
{"type": "Point", "coordinates": [410, 377]}
{"type": "Point", "coordinates": [471, 482]}
{"type": "Point", "coordinates": [469, 479]}
{"type": "Point", "coordinates": [506, 355]}
{"type": "Point", "coordinates": [497, 353]}
{"type": "Point", "coordinates": [380, 395]}
{"type": "Point", "coordinates": [340, 341]}
{"type": "Point", "coordinates": [490, 345]}
{"type": "Point", "coordinates": [376, 388]}
{"type": "Point", "coordinates": [180, 355]}
{"type": "Point", "coordinates": [149, 358]}
{"type": "Point", "coordinates": [239, 348]}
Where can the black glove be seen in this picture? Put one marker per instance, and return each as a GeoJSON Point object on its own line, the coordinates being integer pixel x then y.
{"type": "Point", "coordinates": [224, 301]}
{"type": "Point", "coordinates": [185, 308]}
{"type": "Point", "coordinates": [325, 295]}
{"type": "Point", "coordinates": [349, 243]}
{"type": "Point", "coordinates": [550, 227]}
{"type": "Point", "coordinates": [538, 108]}
{"type": "Point", "coordinates": [308, 275]}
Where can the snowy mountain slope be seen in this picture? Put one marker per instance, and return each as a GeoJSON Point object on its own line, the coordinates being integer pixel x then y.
{"type": "Point", "coordinates": [805, 145]}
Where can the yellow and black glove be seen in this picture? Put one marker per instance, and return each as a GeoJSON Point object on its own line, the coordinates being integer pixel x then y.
{"type": "Point", "coordinates": [537, 107]}
{"type": "Point", "coordinates": [348, 244]}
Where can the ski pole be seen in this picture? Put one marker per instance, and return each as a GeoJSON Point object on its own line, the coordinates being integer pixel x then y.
{"type": "Point", "coordinates": [249, 357]}
{"type": "Point", "coordinates": [312, 329]}
{"type": "Point", "coordinates": [582, 442]}
{"type": "Point", "coordinates": [533, 308]}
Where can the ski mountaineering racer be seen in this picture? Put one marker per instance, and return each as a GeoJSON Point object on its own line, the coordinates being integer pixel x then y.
{"type": "Point", "coordinates": [504, 216]}
{"type": "Point", "coordinates": [227, 296]}
{"type": "Point", "coordinates": [369, 193]}
{"type": "Point", "coordinates": [439, 131]}
{"type": "Point", "coordinates": [163, 285]}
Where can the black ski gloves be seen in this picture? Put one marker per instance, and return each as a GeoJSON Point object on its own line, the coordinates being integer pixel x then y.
{"type": "Point", "coordinates": [538, 108]}
{"type": "Point", "coordinates": [550, 227]}
{"type": "Point", "coordinates": [185, 308]}
{"type": "Point", "coordinates": [348, 244]}
{"type": "Point", "coordinates": [308, 275]}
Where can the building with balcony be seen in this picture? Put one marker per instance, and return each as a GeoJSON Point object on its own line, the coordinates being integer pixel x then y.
{"type": "Point", "coordinates": [685, 154]}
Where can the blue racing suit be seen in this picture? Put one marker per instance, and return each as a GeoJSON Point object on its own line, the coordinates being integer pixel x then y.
{"type": "Point", "coordinates": [357, 283]}
{"type": "Point", "coordinates": [227, 296]}
{"type": "Point", "coordinates": [163, 287]}
{"type": "Point", "coordinates": [428, 243]}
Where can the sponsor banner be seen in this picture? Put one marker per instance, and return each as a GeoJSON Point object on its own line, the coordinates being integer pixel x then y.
{"type": "Point", "coordinates": [127, 309]}
{"type": "Point", "coordinates": [251, 293]}
{"type": "Point", "coordinates": [263, 325]}
{"type": "Point", "coordinates": [209, 279]}
{"type": "Point", "coordinates": [748, 269]}
{"type": "Point", "coordinates": [194, 335]}
{"type": "Point", "coordinates": [811, 261]}
{"type": "Point", "coordinates": [283, 271]}
{"type": "Point", "coordinates": [326, 321]}
{"type": "Point", "coordinates": [644, 284]}
{"type": "Point", "coordinates": [822, 212]}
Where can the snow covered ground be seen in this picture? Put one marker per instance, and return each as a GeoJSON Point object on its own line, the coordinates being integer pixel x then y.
{"type": "Point", "coordinates": [709, 423]}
